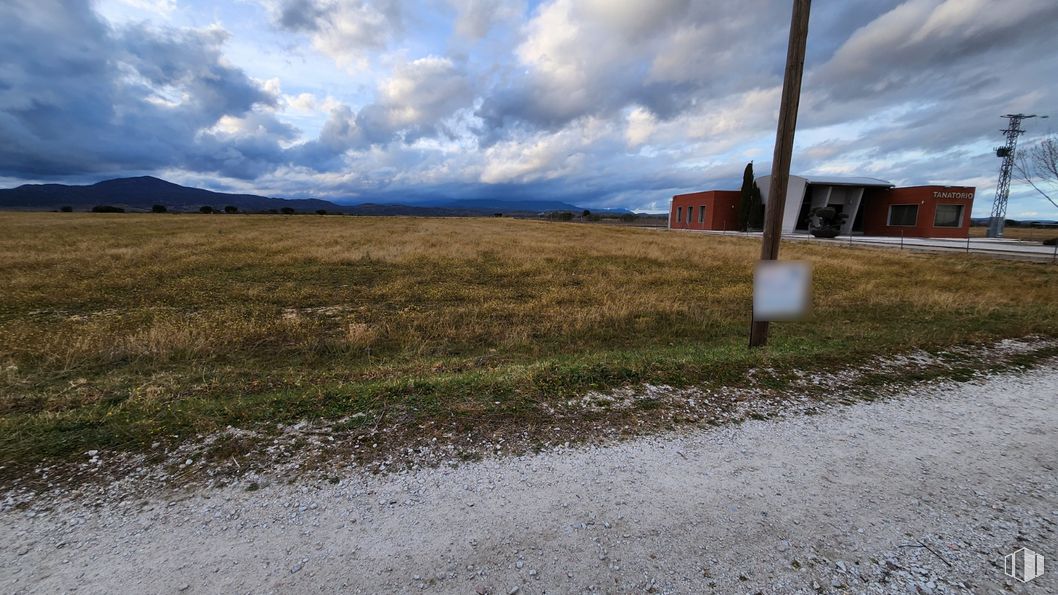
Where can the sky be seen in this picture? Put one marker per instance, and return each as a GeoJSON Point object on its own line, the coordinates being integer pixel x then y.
{"type": "Point", "coordinates": [603, 103]}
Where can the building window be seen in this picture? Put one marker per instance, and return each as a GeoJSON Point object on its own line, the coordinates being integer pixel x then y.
{"type": "Point", "coordinates": [679, 214]}
{"type": "Point", "coordinates": [948, 216]}
{"type": "Point", "coordinates": [690, 214]}
{"type": "Point", "coordinates": [903, 215]}
{"type": "Point", "coordinates": [701, 214]}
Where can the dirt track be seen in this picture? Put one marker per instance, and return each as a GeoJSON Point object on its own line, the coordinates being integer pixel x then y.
{"type": "Point", "coordinates": [920, 494]}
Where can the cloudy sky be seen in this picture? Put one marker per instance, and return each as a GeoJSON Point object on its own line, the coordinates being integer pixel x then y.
{"type": "Point", "coordinates": [599, 102]}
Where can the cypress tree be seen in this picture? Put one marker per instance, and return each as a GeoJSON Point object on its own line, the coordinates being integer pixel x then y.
{"type": "Point", "coordinates": [751, 208]}
{"type": "Point", "coordinates": [746, 199]}
{"type": "Point", "coordinates": [756, 209]}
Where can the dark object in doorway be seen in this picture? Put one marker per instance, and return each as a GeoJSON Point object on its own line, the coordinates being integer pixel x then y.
{"type": "Point", "coordinates": [826, 222]}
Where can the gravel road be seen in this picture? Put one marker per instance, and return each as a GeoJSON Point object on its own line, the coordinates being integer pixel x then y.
{"type": "Point", "coordinates": [924, 493]}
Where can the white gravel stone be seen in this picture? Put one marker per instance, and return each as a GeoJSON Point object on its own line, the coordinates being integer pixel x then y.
{"type": "Point", "coordinates": [965, 469]}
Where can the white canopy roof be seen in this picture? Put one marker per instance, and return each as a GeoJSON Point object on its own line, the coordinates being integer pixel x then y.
{"type": "Point", "coordinates": [846, 181]}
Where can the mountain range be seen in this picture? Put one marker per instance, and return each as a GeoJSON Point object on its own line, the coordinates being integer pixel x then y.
{"type": "Point", "coordinates": [141, 193]}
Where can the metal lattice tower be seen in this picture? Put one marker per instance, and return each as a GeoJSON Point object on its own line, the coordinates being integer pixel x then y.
{"type": "Point", "coordinates": [1006, 152]}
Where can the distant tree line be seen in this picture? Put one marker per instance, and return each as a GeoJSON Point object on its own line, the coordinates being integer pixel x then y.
{"type": "Point", "coordinates": [204, 209]}
{"type": "Point", "coordinates": [585, 215]}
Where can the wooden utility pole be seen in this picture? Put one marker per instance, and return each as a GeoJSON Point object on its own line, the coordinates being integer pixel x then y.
{"type": "Point", "coordinates": [784, 139]}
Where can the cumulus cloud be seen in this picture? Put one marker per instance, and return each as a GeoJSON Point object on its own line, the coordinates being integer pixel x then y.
{"type": "Point", "coordinates": [475, 18]}
{"type": "Point", "coordinates": [641, 124]}
{"type": "Point", "coordinates": [419, 94]}
{"type": "Point", "coordinates": [345, 30]}
{"type": "Point", "coordinates": [608, 102]}
{"type": "Point", "coordinates": [410, 105]}
{"type": "Point", "coordinates": [541, 156]}
{"type": "Point", "coordinates": [595, 57]}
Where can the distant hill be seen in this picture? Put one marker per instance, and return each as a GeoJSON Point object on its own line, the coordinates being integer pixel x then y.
{"type": "Point", "coordinates": [368, 209]}
{"type": "Point", "coordinates": [141, 193]}
{"type": "Point", "coordinates": [520, 206]}
{"type": "Point", "coordinates": [499, 206]}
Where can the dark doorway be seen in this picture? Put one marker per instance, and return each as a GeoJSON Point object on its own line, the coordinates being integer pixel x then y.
{"type": "Point", "coordinates": [857, 223]}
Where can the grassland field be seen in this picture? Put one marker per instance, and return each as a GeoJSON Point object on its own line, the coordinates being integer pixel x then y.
{"type": "Point", "coordinates": [1028, 234]}
{"type": "Point", "coordinates": [119, 331]}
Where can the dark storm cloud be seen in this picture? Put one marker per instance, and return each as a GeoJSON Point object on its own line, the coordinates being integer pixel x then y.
{"type": "Point", "coordinates": [921, 45]}
{"type": "Point", "coordinates": [299, 15]}
{"type": "Point", "coordinates": [77, 96]}
{"type": "Point", "coordinates": [956, 60]}
{"type": "Point", "coordinates": [666, 57]}
{"type": "Point", "coordinates": [190, 61]}
{"type": "Point", "coordinates": [948, 71]}
{"type": "Point", "coordinates": [340, 133]}
{"type": "Point", "coordinates": [620, 100]}
{"type": "Point", "coordinates": [833, 21]}
{"type": "Point", "coordinates": [248, 150]}
{"type": "Point", "coordinates": [956, 66]}
{"type": "Point", "coordinates": [133, 98]}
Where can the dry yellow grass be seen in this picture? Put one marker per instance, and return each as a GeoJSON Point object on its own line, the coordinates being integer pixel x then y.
{"type": "Point", "coordinates": [1030, 234]}
{"type": "Point", "coordinates": [189, 320]}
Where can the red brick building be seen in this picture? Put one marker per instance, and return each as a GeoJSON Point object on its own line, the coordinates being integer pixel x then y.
{"type": "Point", "coordinates": [873, 207]}
{"type": "Point", "coordinates": [918, 211]}
{"type": "Point", "coordinates": [712, 209]}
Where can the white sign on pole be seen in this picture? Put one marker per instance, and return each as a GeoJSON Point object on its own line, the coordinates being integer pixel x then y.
{"type": "Point", "coordinates": [781, 290]}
